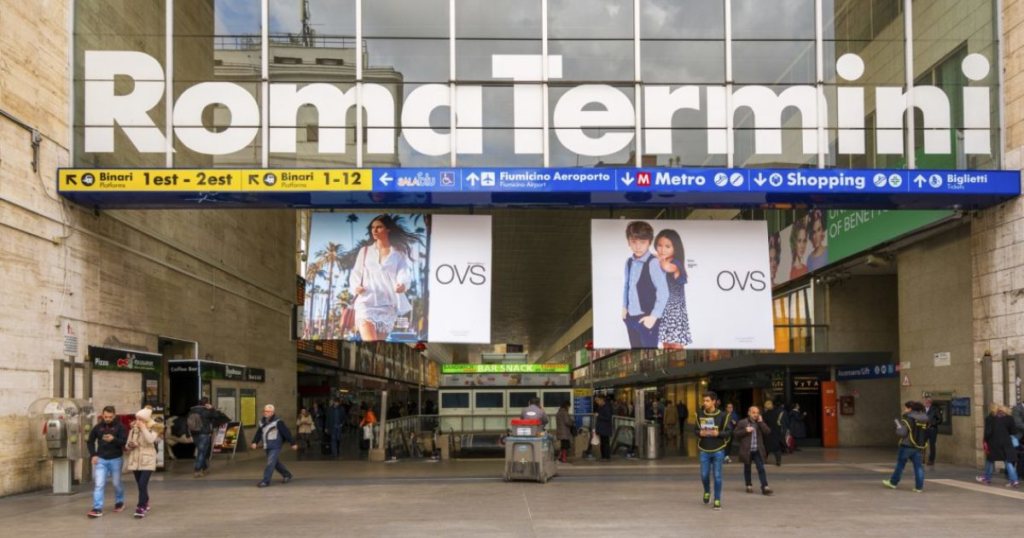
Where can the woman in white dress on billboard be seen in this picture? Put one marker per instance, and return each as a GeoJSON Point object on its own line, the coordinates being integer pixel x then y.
{"type": "Point", "coordinates": [380, 278]}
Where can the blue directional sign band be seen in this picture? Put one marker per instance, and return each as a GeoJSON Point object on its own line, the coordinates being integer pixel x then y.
{"type": "Point", "coordinates": [807, 181]}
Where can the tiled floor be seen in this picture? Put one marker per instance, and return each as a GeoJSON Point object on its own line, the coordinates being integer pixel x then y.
{"type": "Point", "coordinates": [818, 493]}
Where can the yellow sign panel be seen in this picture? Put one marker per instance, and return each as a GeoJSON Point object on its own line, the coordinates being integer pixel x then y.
{"type": "Point", "coordinates": [213, 180]}
{"type": "Point", "coordinates": [307, 180]}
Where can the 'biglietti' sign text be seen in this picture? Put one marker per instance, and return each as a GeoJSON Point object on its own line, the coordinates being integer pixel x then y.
{"type": "Point", "coordinates": [579, 108]}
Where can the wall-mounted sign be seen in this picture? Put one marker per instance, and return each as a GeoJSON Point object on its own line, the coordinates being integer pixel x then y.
{"type": "Point", "coordinates": [960, 407]}
{"type": "Point", "coordinates": [124, 360]}
{"type": "Point", "coordinates": [70, 338]}
{"type": "Point", "coordinates": [505, 368]}
{"type": "Point", "coordinates": [942, 359]}
{"type": "Point", "coordinates": [258, 375]}
{"type": "Point", "coordinates": [877, 371]}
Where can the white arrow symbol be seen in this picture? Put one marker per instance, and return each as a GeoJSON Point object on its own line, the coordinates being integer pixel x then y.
{"type": "Point", "coordinates": [472, 178]}
{"type": "Point", "coordinates": [920, 181]}
{"type": "Point", "coordinates": [760, 180]}
{"type": "Point", "coordinates": [627, 179]}
{"type": "Point", "coordinates": [386, 179]}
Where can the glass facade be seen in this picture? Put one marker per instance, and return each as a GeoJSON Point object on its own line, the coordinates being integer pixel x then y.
{"type": "Point", "coordinates": [788, 83]}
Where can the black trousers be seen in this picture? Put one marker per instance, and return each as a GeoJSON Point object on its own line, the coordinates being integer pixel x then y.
{"type": "Point", "coordinates": [142, 480]}
{"type": "Point", "coordinates": [606, 447]}
{"type": "Point", "coordinates": [762, 475]}
{"type": "Point", "coordinates": [933, 438]}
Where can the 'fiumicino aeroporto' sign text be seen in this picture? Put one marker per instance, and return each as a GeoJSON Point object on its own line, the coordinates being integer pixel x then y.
{"type": "Point", "coordinates": [579, 108]}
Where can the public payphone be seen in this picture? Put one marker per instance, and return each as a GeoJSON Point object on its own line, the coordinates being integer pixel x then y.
{"type": "Point", "coordinates": [64, 425]}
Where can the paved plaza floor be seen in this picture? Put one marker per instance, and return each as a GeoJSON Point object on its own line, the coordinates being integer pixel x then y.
{"type": "Point", "coordinates": [819, 493]}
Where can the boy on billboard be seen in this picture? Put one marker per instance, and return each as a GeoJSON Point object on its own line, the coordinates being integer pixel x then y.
{"type": "Point", "coordinates": [645, 292]}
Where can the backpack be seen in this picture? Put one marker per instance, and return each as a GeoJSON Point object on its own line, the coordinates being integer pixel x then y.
{"type": "Point", "coordinates": [917, 432]}
{"type": "Point", "coordinates": [195, 422]}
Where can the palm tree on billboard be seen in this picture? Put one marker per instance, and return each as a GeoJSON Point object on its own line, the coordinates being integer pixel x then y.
{"type": "Point", "coordinates": [352, 219]}
{"type": "Point", "coordinates": [307, 331]}
{"type": "Point", "coordinates": [313, 272]}
{"type": "Point", "coordinates": [329, 258]}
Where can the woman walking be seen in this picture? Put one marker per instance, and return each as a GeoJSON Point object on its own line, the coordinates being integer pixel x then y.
{"type": "Point", "coordinates": [141, 449]}
{"type": "Point", "coordinates": [773, 440]}
{"type": "Point", "coordinates": [999, 435]}
{"type": "Point", "coordinates": [563, 431]}
{"type": "Point", "coordinates": [304, 425]}
{"type": "Point", "coordinates": [604, 427]}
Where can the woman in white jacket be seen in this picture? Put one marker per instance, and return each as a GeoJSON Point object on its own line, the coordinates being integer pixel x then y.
{"type": "Point", "coordinates": [381, 277]}
{"type": "Point", "coordinates": [142, 440]}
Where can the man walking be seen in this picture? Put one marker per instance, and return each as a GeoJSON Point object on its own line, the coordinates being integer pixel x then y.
{"type": "Point", "coordinates": [732, 418]}
{"type": "Point", "coordinates": [912, 429]}
{"type": "Point", "coordinates": [200, 421]}
{"type": "Point", "coordinates": [106, 446]}
{"type": "Point", "coordinates": [336, 419]}
{"type": "Point", "coordinates": [751, 433]}
{"type": "Point", "coordinates": [272, 431]}
{"type": "Point", "coordinates": [684, 415]}
{"type": "Point", "coordinates": [935, 418]}
{"type": "Point", "coordinates": [671, 429]}
{"type": "Point", "coordinates": [714, 435]}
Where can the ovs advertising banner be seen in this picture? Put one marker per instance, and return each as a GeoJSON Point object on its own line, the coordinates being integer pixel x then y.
{"type": "Point", "coordinates": [681, 285]}
{"type": "Point", "coordinates": [460, 279]}
{"type": "Point", "coordinates": [375, 277]}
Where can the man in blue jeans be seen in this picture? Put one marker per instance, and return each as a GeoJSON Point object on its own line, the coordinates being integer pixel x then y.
{"type": "Point", "coordinates": [200, 421]}
{"type": "Point", "coordinates": [912, 429]}
{"type": "Point", "coordinates": [106, 446]}
{"type": "Point", "coordinates": [272, 431]}
{"type": "Point", "coordinates": [714, 434]}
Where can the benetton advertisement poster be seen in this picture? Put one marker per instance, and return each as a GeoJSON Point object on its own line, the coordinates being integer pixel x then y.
{"type": "Point", "coordinates": [370, 277]}
{"type": "Point", "coordinates": [824, 237]}
{"type": "Point", "coordinates": [681, 285]}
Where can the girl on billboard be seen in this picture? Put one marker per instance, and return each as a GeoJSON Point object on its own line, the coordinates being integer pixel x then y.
{"type": "Point", "coordinates": [674, 332]}
{"type": "Point", "coordinates": [381, 276]}
{"type": "Point", "coordinates": [798, 244]}
{"type": "Point", "coordinates": [819, 254]}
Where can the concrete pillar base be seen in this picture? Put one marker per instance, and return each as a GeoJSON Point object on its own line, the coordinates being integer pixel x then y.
{"type": "Point", "coordinates": [377, 455]}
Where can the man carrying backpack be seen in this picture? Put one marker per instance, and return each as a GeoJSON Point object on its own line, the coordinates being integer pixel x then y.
{"type": "Point", "coordinates": [913, 430]}
{"type": "Point", "coordinates": [200, 421]}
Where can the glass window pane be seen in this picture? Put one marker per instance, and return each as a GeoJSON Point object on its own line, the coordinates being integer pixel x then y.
{"type": "Point", "coordinates": [592, 60]}
{"type": "Point", "coordinates": [474, 58]}
{"type": "Point", "coordinates": [402, 18]}
{"type": "Point", "coordinates": [325, 20]}
{"type": "Point", "coordinates": [490, 400]}
{"type": "Point", "coordinates": [554, 400]}
{"type": "Point", "coordinates": [585, 19]}
{"type": "Point", "coordinates": [774, 62]}
{"type": "Point", "coordinates": [518, 399]}
{"type": "Point", "coordinates": [682, 19]}
{"type": "Point", "coordinates": [682, 62]}
{"type": "Point", "coordinates": [773, 19]}
{"type": "Point", "coordinates": [455, 400]}
{"type": "Point", "coordinates": [498, 19]}
{"type": "Point", "coordinates": [409, 60]}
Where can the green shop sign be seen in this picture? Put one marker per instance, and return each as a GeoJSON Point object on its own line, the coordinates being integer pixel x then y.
{"type": "Point", "coordinates": [505, 369]}
{"type": "Point", "coordinates": [851, 231]}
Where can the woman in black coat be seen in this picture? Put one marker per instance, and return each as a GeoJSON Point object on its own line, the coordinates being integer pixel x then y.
{"type": "Point", "coordinates": [773, 441]}
{"type": "Point", "coordinates": [999, 433]}
{"type": "Point", "coordinates": [604, 427]}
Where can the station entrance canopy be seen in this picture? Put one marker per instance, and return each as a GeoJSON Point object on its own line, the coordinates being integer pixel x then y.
{"type": "Point", "coordinates": [422, 187]}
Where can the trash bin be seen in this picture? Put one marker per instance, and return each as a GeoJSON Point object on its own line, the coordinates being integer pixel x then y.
{"type": "Point", "coordinates": [650, 442]}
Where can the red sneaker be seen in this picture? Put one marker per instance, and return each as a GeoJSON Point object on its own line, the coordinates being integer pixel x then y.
{"type": "Point", "coordinates": [95, 513]}
{"type": "Point", "coordinates": [118, 508]}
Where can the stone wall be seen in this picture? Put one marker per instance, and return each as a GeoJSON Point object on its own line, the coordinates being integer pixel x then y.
{"type": "Point", "coordinates": [223, 279]}
{"type": "Point", "coordinates": [935, 317]}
